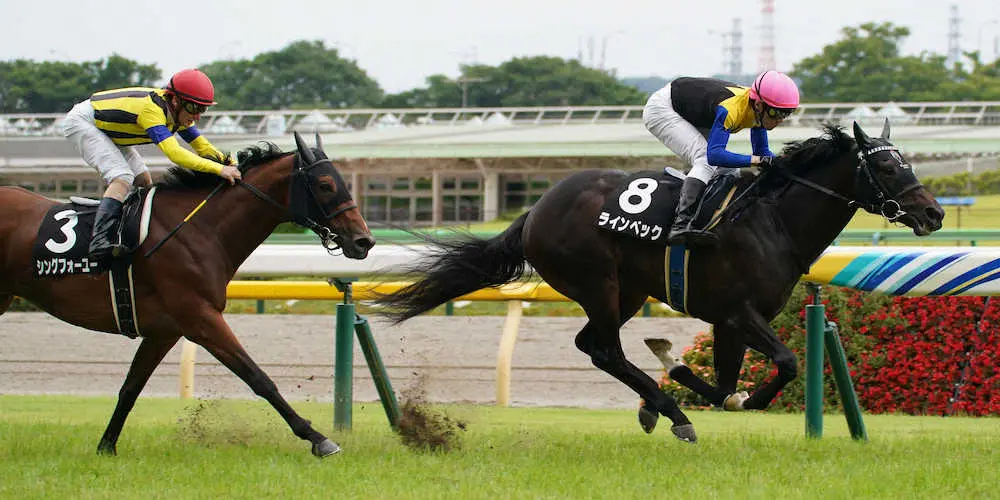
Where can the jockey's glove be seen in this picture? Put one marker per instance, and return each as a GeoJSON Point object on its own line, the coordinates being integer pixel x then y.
{"type": "Point", "coordinates": [768, 162]}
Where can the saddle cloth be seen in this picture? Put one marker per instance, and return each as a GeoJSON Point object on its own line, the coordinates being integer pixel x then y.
{"type": "Point", "coordinates": [63, 237]}
{"type": "Point", "coordinates": [643, 206]}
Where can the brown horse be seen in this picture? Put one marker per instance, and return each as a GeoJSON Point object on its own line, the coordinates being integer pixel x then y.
{"type": "Point", "coordinates": [180, 289]}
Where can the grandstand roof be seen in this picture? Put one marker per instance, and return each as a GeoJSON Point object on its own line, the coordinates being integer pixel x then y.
{"type": "Point", "coordinates": [528, 132]}
{"type": "Point", "coordinates": [571, 140]}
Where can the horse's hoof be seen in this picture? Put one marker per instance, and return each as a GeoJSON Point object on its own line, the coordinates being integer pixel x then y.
{"type": "Point", "coordinates": [685, 433]}
{"type": "Point", "coordinates": [325, 448]}
{"type": "Point", "coordinates": [108, 450]}
{"type": "Point", "coordinates": [734, 402]}
{"type": "Point", "coordinates": [647, 419]}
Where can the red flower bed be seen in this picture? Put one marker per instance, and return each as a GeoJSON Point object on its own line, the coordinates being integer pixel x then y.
{"type": "Point", "coordinates": [916, 355]}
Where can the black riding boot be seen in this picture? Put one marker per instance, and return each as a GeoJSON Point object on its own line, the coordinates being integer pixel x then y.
{"type": "Point", "coordinates": [687, 210]}
{"type": "Point", "coordinates": [104, 242]}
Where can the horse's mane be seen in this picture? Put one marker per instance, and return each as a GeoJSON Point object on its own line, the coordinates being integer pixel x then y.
{"type": "Point", "coordinates": [818, 150]}
{"type": "Point", "coordinates": [182, 178]}
{"type": "Point", "coordinates": [807, 154]}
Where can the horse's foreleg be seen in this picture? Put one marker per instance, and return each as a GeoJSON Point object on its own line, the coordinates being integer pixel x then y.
{"type": "Point", "coordinates": [727, 358]}
{"type": "Point", "coordinates": [223, 345]}
{"type": "Point", "coordinates": [760, 337]}
{"type": "Point", "coordinates": [681, 373]}
{"type": "Point", "coordinates": [147, 358]}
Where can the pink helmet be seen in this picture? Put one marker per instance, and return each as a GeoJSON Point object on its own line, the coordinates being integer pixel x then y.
{"type": "Point", "coordinates": [776, 89]}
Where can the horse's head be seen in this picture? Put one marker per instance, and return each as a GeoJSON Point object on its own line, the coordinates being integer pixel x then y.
{"type": "Point", "coordinates": [319, 200]}
{"type": "Point", "coordinates": [887, 186]}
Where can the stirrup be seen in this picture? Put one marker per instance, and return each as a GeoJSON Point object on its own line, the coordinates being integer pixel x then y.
{"type": "Point", "coordinates": [694, 237]}
{"type": "Point", "coordinates": [105, 252]}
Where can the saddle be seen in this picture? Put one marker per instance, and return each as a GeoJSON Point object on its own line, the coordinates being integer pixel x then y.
{"type": "Point", "coordinates": [643, 206]}
{"type": "Point", "coordinates": [63, 240]}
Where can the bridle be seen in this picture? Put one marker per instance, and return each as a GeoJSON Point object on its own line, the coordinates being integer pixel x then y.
{"type": "Point", "coordinates": [879, 201]}
{"type": "Point", "coordinates": [303, 204]}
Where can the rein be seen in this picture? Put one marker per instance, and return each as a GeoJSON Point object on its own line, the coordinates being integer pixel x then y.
{"type": "Point", "coordinates": [328, 239]}
{"type": "Point", "coordinates": [883, 205]}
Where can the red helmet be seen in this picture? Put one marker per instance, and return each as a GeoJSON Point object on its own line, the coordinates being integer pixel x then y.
{"type": "Point", "coordinates": [192, 85]}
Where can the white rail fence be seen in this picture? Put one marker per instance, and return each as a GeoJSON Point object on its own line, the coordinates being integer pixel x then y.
{"type": "Point", "coordinates": [284, 121]}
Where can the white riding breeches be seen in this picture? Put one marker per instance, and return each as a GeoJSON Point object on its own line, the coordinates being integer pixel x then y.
{"type": "Point", "coordinates": [98, 150]}
{"type": "Point", "coordinates": [679, 135]}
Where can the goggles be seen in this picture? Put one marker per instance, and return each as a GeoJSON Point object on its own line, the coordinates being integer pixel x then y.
{"type": "Point", "coordinates": [779, 114]}
{"type": "Point", "coordinates": [193, 107]}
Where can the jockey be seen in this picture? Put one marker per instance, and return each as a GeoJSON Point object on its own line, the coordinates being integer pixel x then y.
{"type": "Point", "coordinates": [693, 117]}
{"type": "Point", "coordinates": [106, 128]}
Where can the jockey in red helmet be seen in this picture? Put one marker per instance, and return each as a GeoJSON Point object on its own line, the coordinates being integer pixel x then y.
{"type": "Point", "coordinates": [106, 128]}
{"type": "Point", "coordinates": [694, 118]}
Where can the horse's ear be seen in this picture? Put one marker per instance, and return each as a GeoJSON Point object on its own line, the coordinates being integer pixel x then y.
{"type": "Point", "coordinates": [319, 142]}
{"type": "Point", "coordinates": [860, 136]}
{"type": "Point", "coordinates": [304, 152]}
{"type": "Point", "coordinates": [885, 130]}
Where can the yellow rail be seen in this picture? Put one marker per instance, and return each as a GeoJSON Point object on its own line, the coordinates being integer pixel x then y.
{"type": "Point", "coordinates": [364, 290]}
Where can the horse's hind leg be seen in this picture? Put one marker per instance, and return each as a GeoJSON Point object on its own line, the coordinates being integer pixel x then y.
{"type": "Point", "coordinates": [600, 339]}
{"type": "Point", "coordinates": [219, 340]}
{"type": "Point", "coordinates": [147, 358]}
{"type": "Point", "coordinates": [5, 301]}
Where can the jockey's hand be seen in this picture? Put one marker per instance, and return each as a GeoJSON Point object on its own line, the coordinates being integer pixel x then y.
{"type": "Point", "coordinates": [768, 162]}
{"type": "Point", "coordinates": [231, 174]}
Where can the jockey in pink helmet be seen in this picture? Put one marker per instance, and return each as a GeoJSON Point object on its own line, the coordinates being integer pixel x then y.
{"type": "Point", "coordinates": [694, 118]}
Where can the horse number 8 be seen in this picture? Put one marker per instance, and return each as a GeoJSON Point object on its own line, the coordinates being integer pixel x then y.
{"type": "Point", "coordinates": [638, 196]}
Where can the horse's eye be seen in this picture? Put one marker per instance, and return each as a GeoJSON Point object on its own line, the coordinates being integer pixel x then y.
{"type": "Point", "coordinates": [326, 187]}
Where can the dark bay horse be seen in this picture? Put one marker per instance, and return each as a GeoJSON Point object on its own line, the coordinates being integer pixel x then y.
{"type": "Point", "coordinates": [766, 243]}
{"type": "Point", "coordinates": [180, 290]}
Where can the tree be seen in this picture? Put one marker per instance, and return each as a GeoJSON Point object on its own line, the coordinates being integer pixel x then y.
{"type": "Point", "coordinates": [527, 81]}
{"type": "Point", "coordinates": [27, 86]}
{"type": "Point", "coordinates": [865, 65]}
{"type": "Point", "coordinates": [117, 72]}
{"type": "Point", "coordinates": [302, 75]}
{"type": "Point", "coordinates": [980, 84]}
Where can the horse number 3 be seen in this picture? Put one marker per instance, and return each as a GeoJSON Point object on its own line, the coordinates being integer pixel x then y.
{"type": "Point", "coordinates": [641, 188]}
{"type": "Point", "coordinates": [71, 220]}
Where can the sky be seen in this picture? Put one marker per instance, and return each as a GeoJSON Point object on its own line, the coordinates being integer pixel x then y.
{"type": "Point", "coordinates": [401, 42]}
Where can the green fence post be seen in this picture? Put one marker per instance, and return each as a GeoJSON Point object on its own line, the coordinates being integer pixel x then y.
{"type": "Point", "coordinates": [343, 375]}
{"type": "Point", "coordinates": [377, 368]}
{"type": "Point", "coordinates": [815, 321]}
{"type": "Point", "coordinates": [647, 310]}
{"type": "Point", "coordinates": [838, 362]}
{"type": "Point", "coordinates": [449, 308]}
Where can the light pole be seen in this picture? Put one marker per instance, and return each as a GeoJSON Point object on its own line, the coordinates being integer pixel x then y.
{"type": "Point", "coordinates": [464, 82]}
{"type": "Point", "coordinates": [604, 46]}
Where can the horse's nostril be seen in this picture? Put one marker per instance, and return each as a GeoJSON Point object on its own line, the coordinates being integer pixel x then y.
{"type": "Point", "coordinates": [935, 213]}
{"type": "Point", "coordinates": [365, 242]}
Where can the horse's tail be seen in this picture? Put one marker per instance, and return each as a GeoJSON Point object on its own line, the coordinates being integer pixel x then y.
{"type": "Point", "coordinates": [456, 267]}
